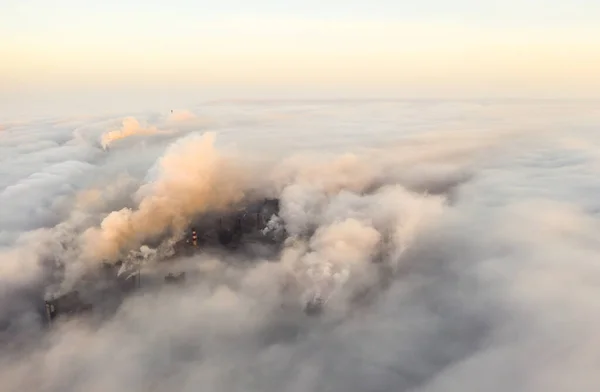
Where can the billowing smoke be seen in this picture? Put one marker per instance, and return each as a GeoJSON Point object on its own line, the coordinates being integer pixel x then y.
{"type": "Point", "coordinates": [192, 177]}
{"type": "Point", "coordinates": [446, 261]}
{"type": "Point", "coordinates": [130, 127]}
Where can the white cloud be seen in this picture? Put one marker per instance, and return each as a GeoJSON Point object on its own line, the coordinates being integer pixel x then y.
{"type": "Point", "coordinates": [462, 259]}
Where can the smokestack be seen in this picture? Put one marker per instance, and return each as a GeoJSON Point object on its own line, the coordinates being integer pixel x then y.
{"type": "Point", "coordinates": [194, 237]}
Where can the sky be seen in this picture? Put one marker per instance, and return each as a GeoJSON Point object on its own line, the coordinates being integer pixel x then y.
{"type": "Point", "coordinates": [431, 48]}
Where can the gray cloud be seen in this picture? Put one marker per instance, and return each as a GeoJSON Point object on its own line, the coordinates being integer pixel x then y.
{"type": "Point", "coordinates": [462, 259]}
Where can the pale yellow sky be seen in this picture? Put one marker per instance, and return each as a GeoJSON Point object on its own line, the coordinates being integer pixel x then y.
{"type": "Point", "coordinates": [432, 57]}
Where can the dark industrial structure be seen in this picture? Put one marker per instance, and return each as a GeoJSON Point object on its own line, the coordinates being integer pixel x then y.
{"type": "Point", "coordinates": [103, 290]}
{"type": "Point", "coordinates": [249, 224]}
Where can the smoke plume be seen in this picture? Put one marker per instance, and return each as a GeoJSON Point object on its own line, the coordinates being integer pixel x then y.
{"type": "Point", "coordinates": [130, 127]}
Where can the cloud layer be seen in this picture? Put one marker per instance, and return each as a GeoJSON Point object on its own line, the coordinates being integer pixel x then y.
{"type": "Point", "coordinates": [456, 248]}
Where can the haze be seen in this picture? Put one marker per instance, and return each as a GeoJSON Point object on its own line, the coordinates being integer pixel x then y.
{"type": "Point", "coordinates": [87, 53]}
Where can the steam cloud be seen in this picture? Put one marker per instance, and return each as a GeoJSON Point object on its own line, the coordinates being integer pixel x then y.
{"type": "Point", "coordinates": [192, 178]}
{"type": "Point", "coordinates": [130, 127]}
{"type": "Point", "coordinates": [449, 261]}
